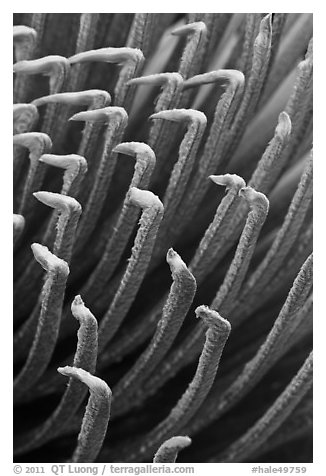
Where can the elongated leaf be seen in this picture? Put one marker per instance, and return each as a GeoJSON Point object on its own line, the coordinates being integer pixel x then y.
{"type": "Point", "coordinates": [49, 320]}
{"type": "Point", "coordinates": [137, 266]}
{"type": "Point", "coordinates": [178, 303]}
{"type": "Point", "coordinates": [96, 416]}
{"type": "Point", "coordinates": [85, 358]}
{"type": "Point", "coordinates": [282, 243]}
{"type": "Point", "coordinates": [218, 330]}
{"type": "Point", "coordinates": [145, 163]}
{"type": "Point", "coordinates": [117, 121]}
{"type": "Point", "coordinates": [288, 320]}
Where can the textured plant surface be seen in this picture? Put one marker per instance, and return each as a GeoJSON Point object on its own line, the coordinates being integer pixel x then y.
{"type": "Point", "coordinates": [145, 146]}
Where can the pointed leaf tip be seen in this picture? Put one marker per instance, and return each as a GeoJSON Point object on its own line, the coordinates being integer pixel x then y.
{"type": "Point", "coordinates": [264, 36]}
{"type": "Point", "coordinates": [284, 126]}
{"type": "Point", "coordinates": [133, 148]}
{"type": "Point", "coordinates": [160, 79]}
{"type": "Point", "coordinates": [77, 301]}
{"type": "Point", "coordinates": [95, 384]}
{"type": "Point", "coordinates": [175, 261]}
{"type": "Point", "coordinates": [103, 115]}
{"type": "Point", "coordinates": [190, 28]}
{"type": "Point", "coordinates": [256, 200]}
{"type": "Point", "coordinates": [178, 115]}
{"type": "Point", "coordinates": [78, 98]}
{"type": "Point", "coordinates": [232, 76]}
{"type": "Point", "coordinates": [229, 181]}
{"type": "Point", "coordinates": [56, 67]}
{"type": "Point", "coordinates": [48, 260]}
{"type": "Point", "coordinates": [70, 161]}
{"type": "Point", "coordinates": [61, 202]}
{"type": "Point", "coordinates": [119, 55]}
{"type": "Point", "coordinates": [144, 198]}
{"type": "Point", "coordinates": [81, 312]}
{"type": "Point", "coordinates": [213, 319]}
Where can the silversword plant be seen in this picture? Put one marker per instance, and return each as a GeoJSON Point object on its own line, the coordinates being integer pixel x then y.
{"type": "Point", "coordinates": [162, 237]}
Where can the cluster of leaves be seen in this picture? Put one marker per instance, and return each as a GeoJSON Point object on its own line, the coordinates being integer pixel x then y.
{"type": "Point", "coordinates": [222, 173]}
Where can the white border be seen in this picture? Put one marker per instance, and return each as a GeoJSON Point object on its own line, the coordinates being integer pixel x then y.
{"type": "Point", "coordinates": [319, 11]}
